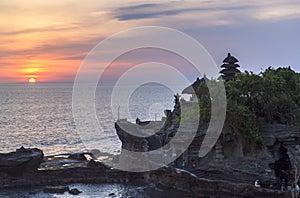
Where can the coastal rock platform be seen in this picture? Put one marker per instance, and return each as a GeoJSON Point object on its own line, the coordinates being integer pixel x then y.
{"type": "Point", "coordinates": [62, 170]}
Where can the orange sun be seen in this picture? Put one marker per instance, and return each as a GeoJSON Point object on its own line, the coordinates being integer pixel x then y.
{"type": "Point", "coordinates": [32, 80]}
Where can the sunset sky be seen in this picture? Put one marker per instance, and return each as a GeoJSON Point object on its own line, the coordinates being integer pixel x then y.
{"type": "Point", "coordinates": [49, 39]}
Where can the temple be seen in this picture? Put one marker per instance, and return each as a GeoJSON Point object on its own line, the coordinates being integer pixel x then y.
{"type": "Point", "coordinates": [230, 68]}
{"type": "Point", "coordinates": [196, 88]}
{"type": "Point", "coordinates": [230, 159]}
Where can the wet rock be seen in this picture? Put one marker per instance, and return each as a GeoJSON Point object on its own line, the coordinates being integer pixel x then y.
{"type": "Point", "coordinates": [21, 161]}
{"type": "Point", "coordinates": [74, 191]}
{"type": "Point", "coordinates": [56, 189]}
{"type": "Point", "coordinates": [184, 181]}
{"type": "Point", "coordinates": [94, 164]}
{"type": "Point", "coordinates": [131, 142]}
{"type": "Point", "coordinates": [112, 194]}
{"type": "Point", "coordinates": [95, 153]}
{"type": "Point", "coordinates": [77, 156]}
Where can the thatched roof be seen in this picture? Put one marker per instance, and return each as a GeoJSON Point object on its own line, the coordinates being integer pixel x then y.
{"type": "Point", "coordinates": [230, 71]}
{"type": "Point", "coordinates": [188, 90]}
{"type": "Point", "coordinates": [230, 65]}
{"type": "Point", "coordinates": [230, 59]}
{"type": "Point", "coordinates": [193, 87]}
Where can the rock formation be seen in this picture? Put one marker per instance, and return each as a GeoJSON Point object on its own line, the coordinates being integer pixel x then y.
{"type": "Point", "coordinates": [58, 171]}
{"type": "Point", "coordinates": [198, 187]}
{"type": "Point", "coordinates": [20, 162]}
{"type": "Point", "coordinates": [269, 163]}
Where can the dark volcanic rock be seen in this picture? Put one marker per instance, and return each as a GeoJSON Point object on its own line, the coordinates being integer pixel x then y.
{"type": "Point", "coordinates": [77, 156]}
{"type": "Point", "coordinates": [21, 161]}
{"type": "Point", "coordinates": [167, 177]}
{"type": "Point", "coordinates": [182, 180]}
{"type": "Point", "coordinates": [129, 141]}
{"type": "Point", "coordinates": [94, 164]}
{"type": "Point", "coordinates": [74, 191]}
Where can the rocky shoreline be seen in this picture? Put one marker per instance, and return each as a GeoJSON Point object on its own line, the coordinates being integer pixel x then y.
{"type": "Point", "coordinates": [81, 168]}
{"type": "Point", "coordinates": [226, 171]}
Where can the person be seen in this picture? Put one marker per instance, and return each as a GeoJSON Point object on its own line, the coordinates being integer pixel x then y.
{"type": "Point", "coordinates": [289, 186]}
{"type": "Point", "coordinates": [183, 163]}
{"type": "Point", "coordinates": [138, 121]}
{"type": "Point", "coordinates": [193, 163]}
{"type": "Point", "coordinates": [282, 187]}
{"type": "Point", "coordinates": [256, 183]}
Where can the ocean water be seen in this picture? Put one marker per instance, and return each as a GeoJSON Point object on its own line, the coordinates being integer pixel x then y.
{"type": "Point", "coordinates": [40, 115]}
{"type": "Point", "coordinates": [98, 191]}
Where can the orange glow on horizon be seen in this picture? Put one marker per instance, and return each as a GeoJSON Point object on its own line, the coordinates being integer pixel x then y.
{"type": "Point", "coordinates": [44, 69]}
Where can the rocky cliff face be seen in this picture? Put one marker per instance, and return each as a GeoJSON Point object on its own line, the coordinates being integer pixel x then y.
{"type": "Point", "coordinates": [270, 162]}
{"type": "Point", "coordinates": [199, 187]}
{"type": "Point", "coordinates": [228, 160]}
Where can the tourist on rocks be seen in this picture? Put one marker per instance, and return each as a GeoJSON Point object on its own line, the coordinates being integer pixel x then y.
{"type": "Point", "coordinates": [297, 188]}
{"type": "Point", "coordinates": [256, 183]}
{"type": "Point", "coordinates": [183, 164]}
{"type": "Point", "coordinates": [289, 186]}
{"type": "Point", "coordinates": [138, 121]}
{"type": "Point", "coordinates": [193, 163]}
{"type": "Point", "coordinates": [282, 187]}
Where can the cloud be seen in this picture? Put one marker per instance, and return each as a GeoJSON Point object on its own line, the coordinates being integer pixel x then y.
{"type": "Point", "coordinates": [37, 30]}
{"type": "Point", "coordinates": [148, 11]}
{"type": "Point", "coordinates": [208, 13]}
{"type": "Point", "coordinates": [141, 6]}
{"type": "Point", "coordinates": [124, 17]}
{"type": "Point", "coordinates": [278, 12]}
{"type": "Point", "coordinates": [30, 31]}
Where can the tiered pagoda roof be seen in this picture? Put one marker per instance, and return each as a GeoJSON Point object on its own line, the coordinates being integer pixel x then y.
{"type": "Point", "coordinates": [193, 88]}
{"type": "Point", "coordinates": [230, 68]}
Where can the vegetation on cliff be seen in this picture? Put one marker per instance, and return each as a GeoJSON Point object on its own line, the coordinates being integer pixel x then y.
{"type": "Point", "coordinates": [273, 96]}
